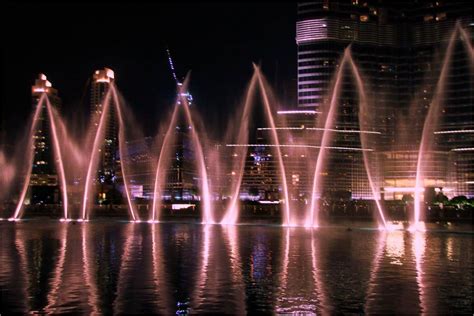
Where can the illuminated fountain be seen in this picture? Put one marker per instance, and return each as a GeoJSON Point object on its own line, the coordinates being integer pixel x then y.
{"type": "Point", "coordinates": [112, 95]}
{"type": "Point", "coordinates": [160, 174]}
{"type": "Point", "coordinates": [312, 219]}
{"type": "Point", "coordinates": [432, 118]}
{"type": "Point", "coordinates": [81, 154]}
{"type": "Point", "coordinates": [51, 117]}
{"type": "Point", "coordinates": [232, 212]}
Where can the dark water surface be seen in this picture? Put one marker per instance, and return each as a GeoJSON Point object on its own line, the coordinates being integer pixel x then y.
{"type": "Point", "coordinates": [118, 267]}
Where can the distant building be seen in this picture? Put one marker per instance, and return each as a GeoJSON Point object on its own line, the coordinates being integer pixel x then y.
{"type": "Point", "coordinates": [44, 186]}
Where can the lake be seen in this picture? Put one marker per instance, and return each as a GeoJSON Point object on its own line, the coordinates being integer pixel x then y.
{"type": "Point", "coordinates": [111, 266]}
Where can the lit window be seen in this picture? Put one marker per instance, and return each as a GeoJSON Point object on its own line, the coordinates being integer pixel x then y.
{"type": "Point", "coordinates": [364, 18]}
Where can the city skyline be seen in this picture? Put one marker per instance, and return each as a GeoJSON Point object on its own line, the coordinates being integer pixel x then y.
{"type": "Point", "coordinates": [132, 39]}
{"type": "Point", "coordinates": [237, 158]}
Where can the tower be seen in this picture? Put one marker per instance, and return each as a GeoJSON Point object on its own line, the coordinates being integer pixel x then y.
{"type": "Point", "coordinates": [107, 171]}
{"type": "Point", "coordinates": [44, 187]}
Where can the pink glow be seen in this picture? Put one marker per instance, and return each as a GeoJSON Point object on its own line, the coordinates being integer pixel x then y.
{"type": "Point", "coordinates": [59, 157]}
{"type": "Point", "coordinates": [232, 212]}
{"type": "Point", "coordinates": [122, 283]}
{"type": "Point", "coordinates": [432, 118]}
{"type": "Point", "coordinates": [89, 273]}
{"type": "Point", "coordinates": [418, 247]}
{"type": "Point", "coordinates": [312, 218]}
{"type": "Point", "coordinates": [317, 275]}
{"type": "Point", "coordinates": [160, 174]}
{"type": "Point", "coordinates": [197, 294]}
{"type": "Point", "coordinates": [93, 160]}
{"type": "Point", "coordinates": [381, 240]}
{"type": "Point", "coordinates": [268, 110]}
{"type": "Point", "coordinates": [122, 145]}
{"type": "Point", "coordinates": [159, 272]}
{"type": "Point", "coordinates": [363, 108]}
{"type": "Point", "coordinates": [58, 273]}
{"type": "Point", "coordinates": [7, 172]}
{"type": "Point", "coordinates": [208, 216]}
{"type": "Point", "coordinates": [417, 227]}
{"type": "Point", "coordinates": [31, 157]}
{"type": "Point", "coordinates": [235, 259]}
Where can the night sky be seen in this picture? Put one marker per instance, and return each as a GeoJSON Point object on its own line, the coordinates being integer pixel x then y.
{"type": "Point", "coordinates": [217, 41]}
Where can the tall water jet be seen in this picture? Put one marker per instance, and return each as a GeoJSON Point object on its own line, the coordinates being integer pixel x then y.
{"type": "Point", "coordinates": [50, 114]}
{"type": "Point", "coordinates": [281, 165]}
{"type": "Point", "coordinates": [363, 110]}
{"type": "Point", "coordinates": [30, 158]}
{"type": "Point", "coordinates": [232, 212]}
{"type": "Point", "coordinates": [122, 146]}
{"type": "Point", "coordinates": [161, 167]}
{"type": "Point", "coordinates": [208, 216]}
{"type": "Point", "coordinates": [432, 118]}
{"type": "Point", "coordinates": [59, 157]}
{"type": "Point", "coordinates": [182, 104]}
{"type": "Point", "coordinates": [7, 173]}
{"type": "Point", "coordinates": [94, 155]}
{"type": "Point", "coordinates": [110, 96]}
{"type": "Point", "coordinates": [312, 219]}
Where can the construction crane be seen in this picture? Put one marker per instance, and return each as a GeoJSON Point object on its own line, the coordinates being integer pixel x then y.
{"type": "Point", "coordinates": [188, 95]}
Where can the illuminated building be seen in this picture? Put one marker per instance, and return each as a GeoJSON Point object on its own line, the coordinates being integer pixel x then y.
{"type": "Point", "coordinates": [44, 187]}
{"type": "Point", "coordinates": [108, 161]}
{"type": "Point", "coordinates": [399, 49]}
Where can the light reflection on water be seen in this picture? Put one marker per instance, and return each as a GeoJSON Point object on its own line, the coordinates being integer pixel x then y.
{"type": "Point", "coordinates": [112, 267]}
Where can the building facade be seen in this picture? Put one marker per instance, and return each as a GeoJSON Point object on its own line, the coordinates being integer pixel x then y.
{"type": "Point", "coordinates": [399, 49]}
{"type": "Point", "coordinates": [108, 170]}
{"type": "Point", "coordinates": [44, 186]}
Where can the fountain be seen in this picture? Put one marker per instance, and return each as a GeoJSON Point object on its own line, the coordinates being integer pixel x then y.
{"type": "Point", "coordinates": [183, 104]}
{"type": "Point", "coordinates": [312, 219]}
{"type": "Point", "coordinates": [57, 151]}
{"type": "Point", "coordinates": [110, 96]}
{"type": "Point", "coordinates": [81, 154]}
{"type": "Point", "coordinates": [432, 118]}
{"type": "Point", "coordinates": [232, 211]}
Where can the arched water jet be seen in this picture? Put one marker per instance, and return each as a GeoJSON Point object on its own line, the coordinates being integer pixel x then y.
{"type": "Point", "coordinates": [363, 108]}
{"type": "Point", "coordinates": [232, 212]}
{"type": "Point", "coordinates": [208, 216]}
{"type": "Point", "coordinates": [93, 160]}
{"type": "Point", "coordinates": [96, 145]}
{"type": "Point", "coordinates": [312, 219]}
{"type": "Point", "coordinates": [432, 118]}
{"type": "Point", "coordinates": [57, 150]}
{"type": "Point", "coordinates": [271, 121]}
{"type": "Point", "coordinates": [122, 145]}
{"type": "Point", "coordinates": [59, 157]}
{"type": "Point", "coordinates": [159, 174]}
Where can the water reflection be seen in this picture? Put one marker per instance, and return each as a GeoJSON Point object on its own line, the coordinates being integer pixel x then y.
{"type": "Point", "coordinates": [381, 245]}
{"type": "Point", "coordinates": [105, 268]}
{"type": "Point", "coordinates": [301, 288]}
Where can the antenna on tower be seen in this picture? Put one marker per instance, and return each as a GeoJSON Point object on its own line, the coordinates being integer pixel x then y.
{"type": "Point", "coordinates": [173, 71]}
{"type": "Point", "coordinates": [188, 95]}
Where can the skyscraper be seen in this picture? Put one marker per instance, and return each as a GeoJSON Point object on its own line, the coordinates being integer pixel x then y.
{"type": "Point", "coordinates": [44, 187]}
{"type": "Point", "coordinates": [399, 48]}
{"type": "Point", "coordinates": [107, 172]}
